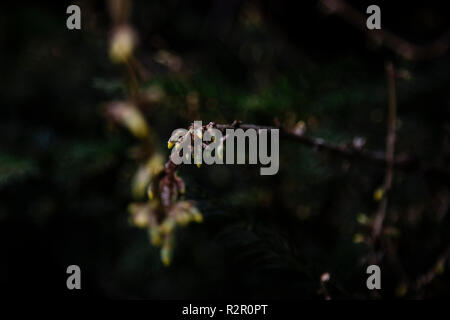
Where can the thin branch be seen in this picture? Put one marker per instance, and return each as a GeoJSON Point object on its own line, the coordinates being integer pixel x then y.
{"type": "Point", "coordinates": [390, 149]}
{"type": "Point", "coordinates": [401, 47]}
{"type": "Point", "coordinates": [168, 179]}
{"type": "Point", "coordinates": [347, 151]}
{"type": "Point", "coordinates": [425, 279]}
{"type": "Point", "coordinates": [141, 70]}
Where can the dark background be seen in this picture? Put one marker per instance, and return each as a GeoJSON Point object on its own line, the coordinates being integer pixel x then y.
{"type": "Point", "coordinates": [65, 174]}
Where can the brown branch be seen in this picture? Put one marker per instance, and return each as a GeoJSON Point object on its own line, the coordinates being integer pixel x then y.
{"type": "Point", "coordinates": [343, 150]}
{"type": "Point", "coordinates": [425, 279]}
{"type": "Point", "coordinates": [390, 149]}
{"type": "Point", "coordinates": [141, 70]}
{"type": "Point", "coordinates": [347, 151]}
{"type": "Point", "coordinates": [401, 47]}
{"type": "Point", "coordinates": [168, 180]}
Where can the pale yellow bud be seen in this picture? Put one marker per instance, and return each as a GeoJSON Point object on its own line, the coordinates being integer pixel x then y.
{"type": "Point", "coordinates": [183, 218]}
{"type": "Point", "coordinates": [362, 219]}
{"type": "Point", "coordinates": [358, 238]}
{"type": "Point", "coordinates": [140, 219]}
{"type": "Point", "coordinates": [150, 193]}
{"type": "Point", "coordinates": [167, 226]}
{"type": "Point", "coordinates": [197, 217]}
{"type": "Point", "coordinates": [155, 236]}
{"type": "Point", "coordinates": [156, 164]}
{"type": "Point", "coordinates": [134, 120]}
{"type": "Point", "coordinates": [378, 194]}
{"type": "Point", "coordinates": [220, 151]}
{"type": "Point", "coordinates": [129, 116]}
{"type": "Point", "coordinates": [166, 256]}
{"type": "Point", "coordinates": [122, 44]}
{"type": "Point", "coordinates": [140, 181]}
{"type": "Point", "coordinates": [167, 250]}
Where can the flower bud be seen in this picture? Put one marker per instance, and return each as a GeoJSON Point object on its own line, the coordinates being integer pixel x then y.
{"type": "Point", "coordinates": [362, 219]}
{"type": "Point", "coordinates": [140, 214]}
{"type": "Point", "coordinates": [183, 218]}
{"type": "Point", "coordinates": [167, 250]}
{"type": "Point", "coordinates": [358, 238]}
{"type": "Point", "coordinates": [167, 226]}
{"type": "Point", "coordinates": [155, 236]}
{"type": "Point", "coordinates": [156, 164]}
{"type": "Point", "coordinates": [129, 116]}
{"type": "Point", "coordinates": [197, 217]}
{"type": "Point", "coordinates": [140, 219]}
{"type": "Point", "coordinates": [140, 181]}
{"type": "Point", "coordinates": [378, 194]}
{"type": "Point", "coordinates": [166, 255]}
{"type": "Point", "coordinates": [150, 193]}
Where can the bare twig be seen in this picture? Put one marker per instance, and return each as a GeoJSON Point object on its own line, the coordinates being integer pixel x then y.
{"type": "Point", "coordinates": [390, 149]}
{"type": "Point", "coordinates": [425, 279]}
{"type": "Point", "coordinates": [319, 144]}
{"type": "Point", "coordinates": [347, 151]}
